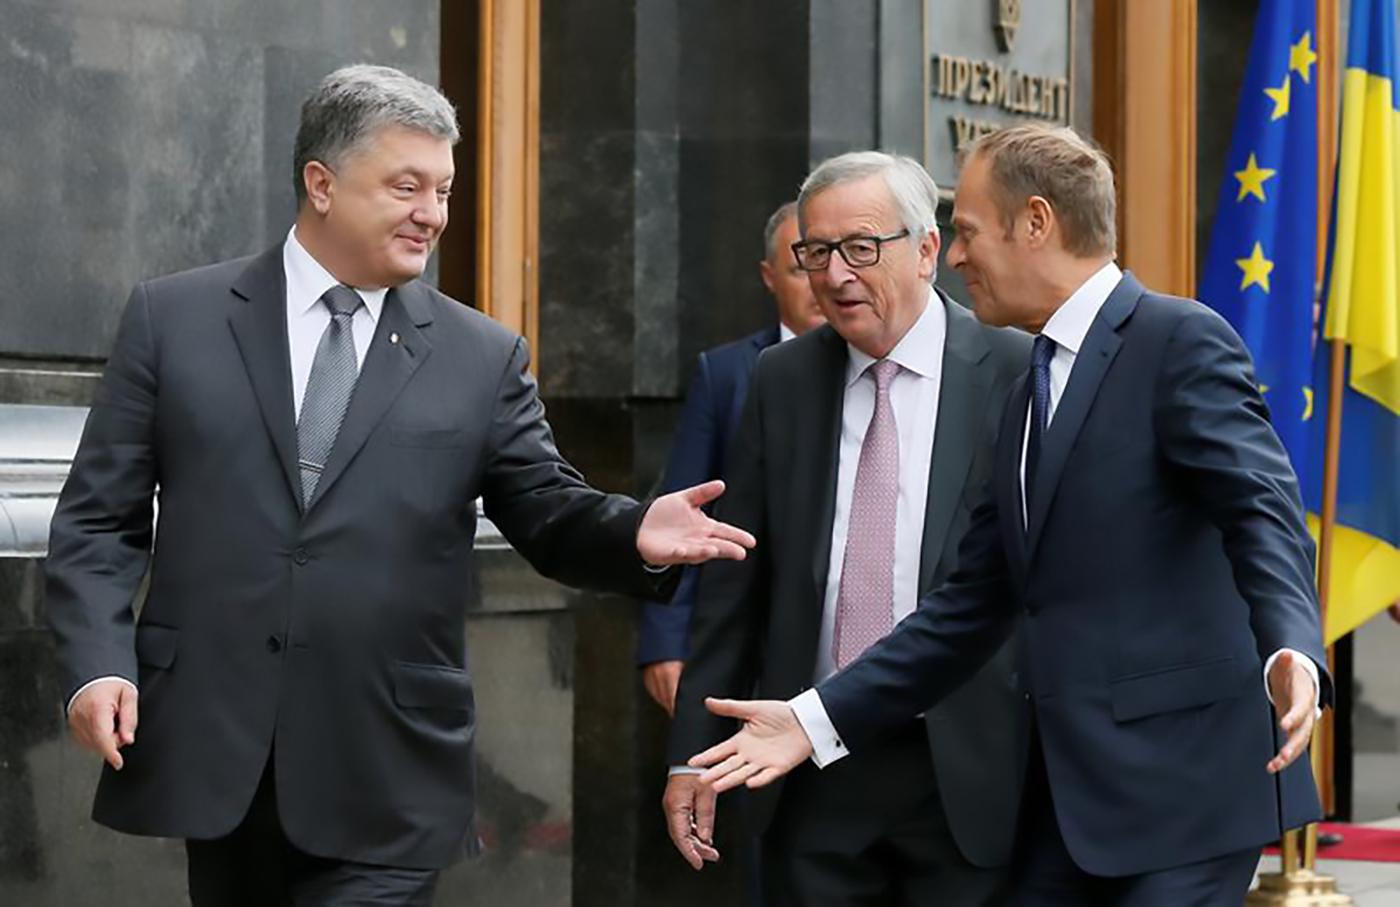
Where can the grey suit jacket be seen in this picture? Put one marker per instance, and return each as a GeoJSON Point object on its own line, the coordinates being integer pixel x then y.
{"type": "Point", "coordinates": [334, 632]}
{"type": "Point", "coordinates": [757, 622]}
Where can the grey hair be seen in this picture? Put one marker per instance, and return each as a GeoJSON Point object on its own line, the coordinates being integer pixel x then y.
{"type": "Point", "coordinates": [914, 192]}
{"type": "Point", "coordinates": [776, 220]}
{"type": "Point", "coordinates": [353, 102]}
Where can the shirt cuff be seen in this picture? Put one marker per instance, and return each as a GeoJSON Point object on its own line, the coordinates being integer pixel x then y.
{"type": "Point", "coordinates": [827, 746]}
{"type": "Point", "coordinates": [80, 689]}
{"type": "Point", "coordinates": [682, 770]}
{"type": "Point", "coordinates": [1309, 666]}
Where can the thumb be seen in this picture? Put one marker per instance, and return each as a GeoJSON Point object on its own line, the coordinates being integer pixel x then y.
{"type": "Point", "coordinates": [126, 715]}
{"type": "Point", "coordinates": [730, 708]}
{"type": "Point", "coordinates": [700, 495]}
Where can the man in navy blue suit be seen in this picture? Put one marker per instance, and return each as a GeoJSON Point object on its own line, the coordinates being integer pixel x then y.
{"type": "Point", "coordinates": [1144, 525]}
{"type": "Point", "coordinates": [712, 408]}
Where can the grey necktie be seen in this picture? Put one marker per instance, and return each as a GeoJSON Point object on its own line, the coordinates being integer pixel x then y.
{"type": "Point", "coordinates": [328, 389]}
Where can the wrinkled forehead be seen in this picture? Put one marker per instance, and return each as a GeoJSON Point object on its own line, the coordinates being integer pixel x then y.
{"type": "Point", "coordinates": [849, 204]}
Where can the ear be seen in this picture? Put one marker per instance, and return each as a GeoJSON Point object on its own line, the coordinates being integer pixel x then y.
{"type": "Point", "coordinates": [765, 271]}
{"type": "Point", "coordinates": [929, 244]}
{"type": "Point", "coordinates": [1040, 220]}
{"type": "Point", "coordinates": [319, 181]}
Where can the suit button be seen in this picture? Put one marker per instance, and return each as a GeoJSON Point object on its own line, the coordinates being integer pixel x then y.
{"type": "Point", "coordinates": [301, 557]}
{"type": "Point", "coordinates": [274, 645]}
{"type": "Point", "coordinates": [1027, 696]}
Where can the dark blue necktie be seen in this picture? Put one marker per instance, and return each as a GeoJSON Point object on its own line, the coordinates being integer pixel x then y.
{"type": "Point", "coordinates": [1042, 351]}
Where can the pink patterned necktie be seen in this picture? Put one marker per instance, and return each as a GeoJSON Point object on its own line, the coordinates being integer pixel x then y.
{"type": "Point", "coordinates": [865, 603]}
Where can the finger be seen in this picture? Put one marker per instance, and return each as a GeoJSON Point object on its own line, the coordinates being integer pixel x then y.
{"type": "Point", "coordinates": [718, 752]}
{"type": "Point", "coordinates": [704, 851]}
{"type": "Point", "coordinates": [732, 534]}
{"type": "Point", "coordinates": [705, 814]}
{"type": "Point", "coordinates": [765, 777]}
{"type": "Point", "coordinates": [678, 826]}
{"type": "Point", "coordinates": [730, 708]}
{"type": "Point", "coordinates": [741, 774]}
{"type": "Point", "coordinates": [730, 551]}
{"type": "Point", "coordinates": [126, 716]}
{"type": "Point", "coordinates": [1297, 742]}
{"type": "Point", "coordinates": [700, 495]}
{"type": "Point", "coordinates": [669, 691]}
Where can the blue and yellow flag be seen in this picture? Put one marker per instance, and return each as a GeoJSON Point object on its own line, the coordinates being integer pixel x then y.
{"type": "Point", "coordinates": [1262, 262]}
{"type": "Point", "coordinates": [1362, 309]}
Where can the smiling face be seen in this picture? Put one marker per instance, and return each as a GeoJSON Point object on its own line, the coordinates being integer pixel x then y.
{"type": "Point", "coordinates": [984, 252]}
{"type": "Point", "coordinates": [871, 307]}
{"type": "Point", "coordinates": [375, 219]}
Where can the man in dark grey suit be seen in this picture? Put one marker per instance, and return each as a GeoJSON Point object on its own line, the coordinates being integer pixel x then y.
{"type": "Point", "coordinates": [317, 425]}
{"type": "Point", "coordinates": [860, 446]}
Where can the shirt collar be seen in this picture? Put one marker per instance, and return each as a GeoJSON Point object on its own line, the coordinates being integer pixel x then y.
{"type": "Point", "coordinates": [307, 281]}
{"type": "Point", "coordinates": [785, 333]}
{"type": "Point", "coordinates": [920, 350]}
{"type": "Point", "coordinates": [1069, 325]}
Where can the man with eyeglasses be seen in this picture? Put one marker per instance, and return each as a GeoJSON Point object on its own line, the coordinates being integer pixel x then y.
{"type": "Point", "coordinates": [860, 446]}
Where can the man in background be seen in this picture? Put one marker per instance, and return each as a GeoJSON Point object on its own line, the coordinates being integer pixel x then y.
{"type": "Point", "coordinates": [712, 407]}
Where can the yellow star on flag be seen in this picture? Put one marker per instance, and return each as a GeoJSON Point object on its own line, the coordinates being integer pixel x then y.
{"type": "Point", "coordinates": [1252, 179]}
{"type": "Point", "coordinates": [1301, 56]}
{"type": "Point", "coordinates": [1280, 98]}
{"type": "Point", "coordinates": [1307, 403]}
{"type": "Point", "coordinates": [1256, 269]}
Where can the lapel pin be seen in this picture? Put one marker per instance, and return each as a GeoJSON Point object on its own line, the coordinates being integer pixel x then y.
{"type": "Point", "coordinates": [393, 337]}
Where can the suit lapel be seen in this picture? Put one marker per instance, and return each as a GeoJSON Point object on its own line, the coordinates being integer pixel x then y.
{"type": "Point", "coordinates": [962, 400]}
{"type": "Point", "coordinates": [1096, 354]}
{"type": "Point", "coordinates": [388, 367]}
{"type": "Point", "coordinates": [260, 328]}
{"type": "Point", "coordinates": [828, 400]}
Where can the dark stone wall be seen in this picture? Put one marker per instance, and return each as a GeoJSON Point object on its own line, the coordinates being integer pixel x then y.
{"type": "Point", "coordinates": [150, 136]}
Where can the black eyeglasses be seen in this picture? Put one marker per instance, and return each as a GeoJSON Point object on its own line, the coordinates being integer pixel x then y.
{"type": "Point", "coordinates": [858, 251]}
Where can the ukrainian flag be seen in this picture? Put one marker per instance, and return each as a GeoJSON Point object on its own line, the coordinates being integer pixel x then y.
{"type": "Point", "coordinates": [1261, 265]}
{"type": "Point", "coordinates": [1362, 309]}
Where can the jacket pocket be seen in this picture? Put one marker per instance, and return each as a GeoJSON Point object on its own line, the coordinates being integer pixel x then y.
{"type": "Point", "coordinates": [156, 645]}
{"type": "Point", "coordinates": [1187, 686]}
{"type": "Point", "coordinates": [420, 686]}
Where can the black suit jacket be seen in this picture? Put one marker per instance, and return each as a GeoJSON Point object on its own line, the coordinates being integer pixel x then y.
{"type": "Point", "coordinates": [757, 622]}
{"type": "Point", "coordinates": [336, 631]}
{"type": "Point", "coordinates": [712, 408]}
{"type": "Point", "coordinates": [1165, 559]}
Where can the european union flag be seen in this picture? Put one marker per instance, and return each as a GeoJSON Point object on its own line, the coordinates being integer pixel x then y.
{"type": "Point", "coordinates": [1262, 263]}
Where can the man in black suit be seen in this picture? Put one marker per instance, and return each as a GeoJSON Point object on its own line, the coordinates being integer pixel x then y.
{"type": "Point", "coordinates": [712, 407]}
{"type": "Point", "coordinates": [1144, 527]}
{"type": "Point", "coordinates": [860, 446]}
{"type": "Point", "coordinates": [317, 425]}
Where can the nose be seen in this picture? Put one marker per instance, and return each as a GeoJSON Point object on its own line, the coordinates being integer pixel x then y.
{"type": "Point", "coordinates": [837, 272]}
{"type": "Point", "coordinates": [956, 256]}
{"type": "Point", "coordinates": [431, 212]}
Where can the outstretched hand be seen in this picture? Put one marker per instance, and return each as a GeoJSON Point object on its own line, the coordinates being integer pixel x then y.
{"type": "Point", "coordinates": [676, 531]}
{"type": "Point", "coordinates": [769, 745]}
{"type": "Point", "coordinates": [1294, 696]}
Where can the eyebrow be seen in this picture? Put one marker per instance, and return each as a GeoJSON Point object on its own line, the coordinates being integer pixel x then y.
{"type": "Point", "coordinates": [421, 175]}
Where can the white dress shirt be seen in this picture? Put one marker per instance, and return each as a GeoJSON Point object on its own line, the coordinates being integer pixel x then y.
{"type": "Point", "coordinates": [1068, 327]}
{"type": "Point", "coordinates": [914, 399]}
{"type": "Point", "coordinates": [307, 281]}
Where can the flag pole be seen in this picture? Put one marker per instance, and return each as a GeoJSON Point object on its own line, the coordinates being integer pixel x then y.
{"type": "Point", "coordinates": [1297, 883]}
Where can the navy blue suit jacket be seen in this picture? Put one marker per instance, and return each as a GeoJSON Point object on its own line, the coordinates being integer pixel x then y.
{"type": "Point", "coordinates": [1165, 559]}
{"type": "Point", "coordinates": [712, 408]}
